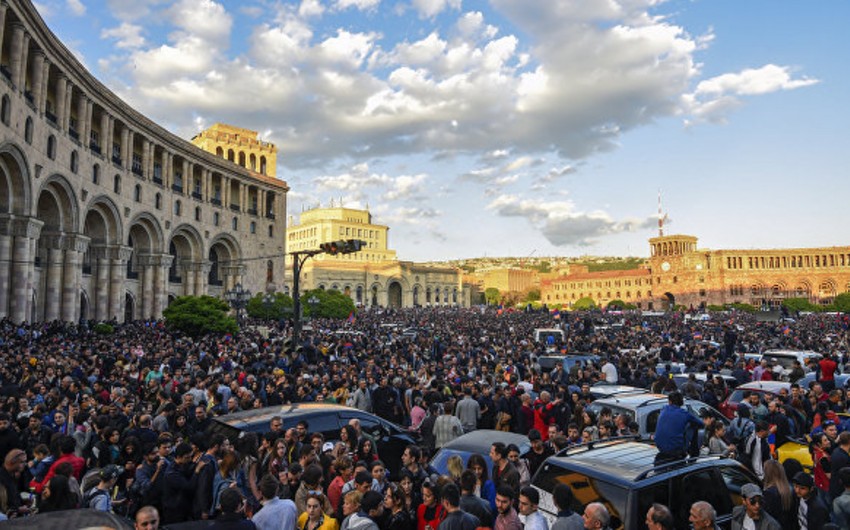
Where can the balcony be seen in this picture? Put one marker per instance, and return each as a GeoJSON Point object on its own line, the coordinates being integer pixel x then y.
{"type": "Point", "coordinates": [216, 282]}
{"type": "Point", "coordinates": [87, 268]}
{"type": "Point", "coordinates": [173, 278]}
{"type": "Point", "coordinates": [197, 195]}
{"type": "Point", "coordinates": [157, 180]}
{"type": "Point", "coordinates": [177, 187]}
{"type": "Point", "coordinates": [116, 159]}
{"type": "Point", "coordinates": [4, 69]}
{"type": "Point", "coordinates": [50, 116]}
{"type": "Point", "coordinates": [216, 201]}
{"type": "Point", "coordinates": [252, 211]}
{"type": "Point", "coordinates": [137, 170]}
{"type": "Point", "coordinates": [29, 97]}
{"type": "Point", "coordinates": [74, 134]}
{"type": "Point", "coordinates": [94, 147]}
{"type": "Point", "coordinates": [234, 207]}
{"type": "Point", "coordinates": [270, 215]}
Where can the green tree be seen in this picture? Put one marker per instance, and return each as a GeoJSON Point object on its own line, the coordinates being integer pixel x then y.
{"type": "Point", "coordinates": [715, 308]}
{"type": "Point", "coordinates": [842, 303]}
{"type": "Point", "coordinates": [584, 304]}
{"type": "Point", "coordinates": [279, 307]}
{"type": "Point", "coordinates": [747, 308]}
{"type": "Point", "coordinates": [543, 267]}
{"type": "Point", "coordinates": [616, 305]}
{"type": "Point", "coordinates": [332, 304]}
{"type": "Point", "coordinates": [199, 315]}
{"type": "Point", "coordinates": [532, 295]}
{"type": "Point", "coordinates": [798, 304]}
{"type": "Point", "coordinates": [491, 295]}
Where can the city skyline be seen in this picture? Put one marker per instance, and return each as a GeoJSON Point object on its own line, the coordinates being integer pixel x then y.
{"type": "Point", "coordinates": [506, 127]}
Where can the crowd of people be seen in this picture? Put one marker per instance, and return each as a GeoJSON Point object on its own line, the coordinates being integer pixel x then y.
{"type": "Point", "coordinates": [121, 422]}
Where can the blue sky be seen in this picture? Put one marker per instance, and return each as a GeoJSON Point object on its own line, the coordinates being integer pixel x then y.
{"type": "Point", "coordinates": [510, 127]}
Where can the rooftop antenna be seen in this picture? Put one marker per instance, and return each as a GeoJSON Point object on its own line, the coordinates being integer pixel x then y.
{"type": "Point", "coordinates": [661, 217]}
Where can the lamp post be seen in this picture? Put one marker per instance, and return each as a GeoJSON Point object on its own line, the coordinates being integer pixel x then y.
{"type": "Point", "coordinates": [238, 299]}
{"type": "Point", "coordinates": [298, 259]}
{"type": "Point", "coordinates": [313, 301]}
{"type": "Point", "coordinates": [268, 303]}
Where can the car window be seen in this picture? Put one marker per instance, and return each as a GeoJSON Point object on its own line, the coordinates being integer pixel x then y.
{"type": "Point", "coordinates": [322, 422]}
{"type": "Point", "coordinates": [701, 485]}
{"type": "Point", "coordinates": [734, 479]}
{"type": "Point", "coordinates": [652, 421]}
{"type": "Point", "coordinates": [647, 496]}
{"type": "Point", "coordinates": [585, 490]}
{"type": "Point", "coordinates": [371, 425]}
{"type": "Point", "coordinates": [596, 407]}
{"type": "Point", "coordinates": [736, 397]}
{"type": "Point", "coordinates": [696, 408]}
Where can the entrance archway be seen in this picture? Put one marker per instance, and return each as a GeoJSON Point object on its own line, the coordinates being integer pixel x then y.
{"type": "Point", "coordinates": [669, 301]}
{"type": "Point", "coordinates": [394, 295]}
{"type": "Point", "coordinates": [129, 308]}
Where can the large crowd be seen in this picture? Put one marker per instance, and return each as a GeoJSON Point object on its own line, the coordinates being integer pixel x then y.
{"type": "Point", "coordinates": [121, 422]}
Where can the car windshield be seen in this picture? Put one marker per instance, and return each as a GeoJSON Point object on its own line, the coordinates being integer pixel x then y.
{"type": "Point", "coordinates": [585, 489]}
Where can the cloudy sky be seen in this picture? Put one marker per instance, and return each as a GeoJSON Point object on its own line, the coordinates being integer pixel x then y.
{"type": "Point", "coordinates": [510, 127]}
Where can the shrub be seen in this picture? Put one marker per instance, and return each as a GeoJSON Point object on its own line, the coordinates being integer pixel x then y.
{"type": "Point", "coordinates": [200, 315]}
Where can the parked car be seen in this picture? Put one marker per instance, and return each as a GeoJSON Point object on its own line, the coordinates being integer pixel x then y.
{"type": "Point", "coordinates": [478, 441]}
{"type": "Point", "coordinates": [328, 419]}
{"type": "Point", "coordinates": [841, 380]}
{"type": "Point", "coordinates": [645, 409]}
{"type": "Point", "coordinates": [603, 390]}
{"type": "Point", "coordinates": [730, 404]}
{"type": "Point", "coordinates": [783, 360]}
{"type": "Point", "coordinates": [681, 379]}
{"type": "Point", "coordinates": [622, 475]}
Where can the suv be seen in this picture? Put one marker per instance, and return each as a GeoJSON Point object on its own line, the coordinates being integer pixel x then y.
{"type": "Point", "coordinates": [784, 360]}
{"type": "Point", "coordinates": [621, 474]}
{"type": "Point", "coordinates": [730, 404]}
{"type": "Point", "coordinates": [645, 409]}
{"type": "Point", "coordinates": [328, 419]}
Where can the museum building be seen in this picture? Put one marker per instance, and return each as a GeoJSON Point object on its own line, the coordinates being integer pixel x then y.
{"type": "Point", "coordinates": [106, 215]}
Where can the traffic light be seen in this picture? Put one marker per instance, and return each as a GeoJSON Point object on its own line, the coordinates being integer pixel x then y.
{"type": "Point", "coordinates": [342, 246]}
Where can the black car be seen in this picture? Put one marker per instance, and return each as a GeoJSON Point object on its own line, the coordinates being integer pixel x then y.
{"type": "Point", "coordinates": [328, 419]}
{"type": "Point", "coordinates": [621, 474]}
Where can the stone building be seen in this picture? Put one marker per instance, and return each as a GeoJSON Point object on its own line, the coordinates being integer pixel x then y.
{"type": "Point", "coordinates": [373, 276]}
{"type": "Point", "coordinates": [680, 273]}
{"type": "Point", "coordinates": [240, 146]}
{"type": "Point", "coordinates": [103, 213]}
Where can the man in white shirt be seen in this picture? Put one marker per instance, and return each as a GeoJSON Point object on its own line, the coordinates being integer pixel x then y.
{"type": "Point", "coordinates": [610, 372]}
{"type": "Point", "coordinates": [276, 513]}
{"type": "Point", "coordinates": [529, 498]}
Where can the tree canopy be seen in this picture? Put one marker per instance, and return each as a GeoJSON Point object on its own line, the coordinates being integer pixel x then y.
{"type": "Point", "coordinates": [584, 304]}
{"type": "Point", "coordinates": [332, 304]}
{"type": "Point", "coordinates": [200, 315]}
{"type": "Point", "coordinates": [280, 306]}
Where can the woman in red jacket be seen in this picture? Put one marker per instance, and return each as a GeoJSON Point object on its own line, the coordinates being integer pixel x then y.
{"type": "Point", "coordinates": [430, 513]}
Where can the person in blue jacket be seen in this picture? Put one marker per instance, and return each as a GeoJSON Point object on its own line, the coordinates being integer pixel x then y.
{"type": "Point", "coordinates": [675, 431]}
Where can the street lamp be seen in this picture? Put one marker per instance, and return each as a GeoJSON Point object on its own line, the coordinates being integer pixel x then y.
{"type": "Point", "coordinates": [298, 259]}
{"type": "Point", "coordinates": [313, 301]}
{"type": "Point", "coordinates": [238, 299]}
{"type": "Point", "coordinates": [268, 304]}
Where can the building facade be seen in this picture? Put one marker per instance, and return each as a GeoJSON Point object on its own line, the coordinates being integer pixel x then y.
{"type": "Point", "coordinates": [679, 273]}
{"type": "Point", "coordinates": [374, 276]}
{"type": "Point", "coordinates": [103, 213]}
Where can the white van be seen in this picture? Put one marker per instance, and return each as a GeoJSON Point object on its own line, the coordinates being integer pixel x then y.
{"type": "Point", "coordinates": [549, 337]}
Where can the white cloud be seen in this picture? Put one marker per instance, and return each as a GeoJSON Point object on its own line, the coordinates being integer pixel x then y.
{"type": "Point", "coordinates": [128, 36]}
{"type": "Point", "coordinates": [76, 7]}
{"type": "Point", "coordinates": [362, 5]}
{"type": "Point", "coordinates": [559, 221]}
{"type": "Point", "coordinates": [714, 98]}
{"type": "Point", "coordinates": [432, 8]}
{"type": "Point", "coordinates": [311, 8]}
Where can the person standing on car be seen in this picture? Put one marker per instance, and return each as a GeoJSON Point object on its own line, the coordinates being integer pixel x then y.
{"type": "Point", "coordinates": [676, 428]}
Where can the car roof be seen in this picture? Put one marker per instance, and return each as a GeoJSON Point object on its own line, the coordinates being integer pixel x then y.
{"type": "Point", "coordinates": [622, 461]}
{"type": "Point", "coordinates": [794, 353]}
{"type": "Point", "coordinates": [484, 438]}
{"type": "Point", "coordinates": [253, 416]}
{"type": "Point", "coordinates": [765, 386]}
{"type": "Point", "coordinates": [631, 400]}
{"type": "Point", "coordinates": [605, 389]}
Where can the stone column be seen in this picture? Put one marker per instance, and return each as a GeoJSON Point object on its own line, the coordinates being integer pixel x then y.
{"type": "Point", "coordinates": [16, 54]}
{"type": "Point", "coordinates": [225, 192]}
{"type": "Point", "coordinates": [42, 98]}
{"type": "Point", "coordinates": [147, 290]}
{"type": "Point", "coordinates": [25, 55]}
{"type": "Point", "coordinates": [126, 145]}
{"type": "Point", "coordinates": [146, 158]}
{"type": "Point", "coordinates": [25, 231]}
{"type": "Point", "coordinates": [101, 295]}
{"type": "Point", "coordinates": [119, 256]}
{"type": "Point", "coordinates": [75, 247]}
{"type": "Point", "coordinates": [61, 89]}
{"type": "Point", "coordinates": [53, 282]}
{"type": "Point", "coordinates": [160, 293]}
{"type": "Point", "coordinates": [81, 118]}
{"type": "Point", "coordinates": [166, 168]}
{"type": "Point", "coordinates": [188, 272]}
{"type": "Point", "coordinates": [37, 80]}
{"type": "Point", "coordinates": [69, 95]}
{"type": "Point", "coordinates": [202, 276]}
{"type": "Point", "coordinates": [88, 123]}
{"type": "Point", "coordinates": [105, 139]}
{"type": "Point", "coordinates": [186, 171]}
{"type": "Point", "coordinates": [5, 264]}
{"type": "Point", "coordinates": [3, 7]}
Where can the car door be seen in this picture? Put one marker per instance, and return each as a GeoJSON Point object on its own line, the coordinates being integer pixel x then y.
{"type": "Point", "coordinates": [390, 441]}
{"type": "Point", "coordinates": [703, 484]}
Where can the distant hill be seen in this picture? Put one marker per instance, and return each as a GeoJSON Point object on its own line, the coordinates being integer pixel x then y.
{"type": "Point", "coordinates": [542, 263]}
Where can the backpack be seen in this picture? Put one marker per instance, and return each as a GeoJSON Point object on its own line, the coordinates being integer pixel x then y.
{"type": "Point", "coordinates": [739, 432]}
{"type": "Point", "coordinates": [93, 494]}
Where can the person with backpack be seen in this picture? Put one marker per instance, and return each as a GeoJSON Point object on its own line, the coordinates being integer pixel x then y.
{"type": "Point", "coordinates": [756, 450]}
{"type": "Point", "coordinates": [99, 498]}
{"type": "Point", "coordinates": [740, 428]}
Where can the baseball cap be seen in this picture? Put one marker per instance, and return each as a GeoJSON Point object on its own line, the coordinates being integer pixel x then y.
{"type": "Point", "coordinates": [329, 446]}
{"type": "Point", "coordinates": [748, 491]}
{"type": "Point", "coordinates": [110, 472]}
{"type": "Point", "coordinates": [804, 479]}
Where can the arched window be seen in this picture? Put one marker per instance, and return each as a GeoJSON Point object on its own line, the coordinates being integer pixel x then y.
{"type": "Point", "coordinates": [158, 201]}
{"type": "Point", "coordinates": [263, 165]}
{"type": "Point", "coordinates": [234, 224]}
{"type": "Point", "coordinates": [242, 158]}
{"type": "Point", "coordinates": [197, 213]}
{"type": "Point", "coordinates": [253, 159]}
{"type": "Point", "coordinates": [75, 161]}
{"type": "Point", "coordinates": [178, 207]}
{"type": "Point", "coordinates": [6, 110]}
{"type": "Point", "coordinates": [28, 131]}
{"type": "Point", "coordinates": [252, 227]}
{"type": "Point", "coordinates": [116, 184]}
{"type": "Point", "coordinates": [271, 230]}
{"type": "Point", "coordinates": [231, 155]}
{"type": "Point", "coordinates": [51, 147]}
{"type": "Point", "coordinates": [95, 174]}
{"type": "Point", "coordinates": [219, 152]}
{"type": "Point", "coordinates": [216, 218]}
{"type": "Point", "coordinates": [269, 271]}
{"type": "Point", "coordinates": [137, 193]}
